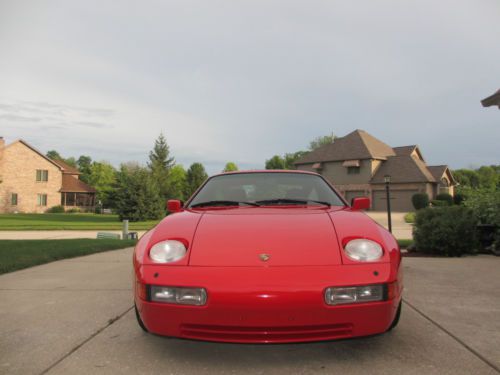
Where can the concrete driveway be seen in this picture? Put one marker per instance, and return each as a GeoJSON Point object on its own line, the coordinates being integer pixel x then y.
{"type": "Point", "coordinates": [75, 316]}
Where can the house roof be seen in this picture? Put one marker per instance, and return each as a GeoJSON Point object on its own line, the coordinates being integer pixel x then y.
{"type": "Point", "coordinates": [492, 100]}
{"type": "Point", "coordinates": [403, 169]}
{"type": "Point", "coordinates": [354, 146]}
{"type": "Point", "coordinates": [72, 184]}
{"type": "Point", "coordinates": [438, 171]}
{"type": "Point", "coordinates": [66, 168]}
{"type": "Point", "coordinates": [34, 150]}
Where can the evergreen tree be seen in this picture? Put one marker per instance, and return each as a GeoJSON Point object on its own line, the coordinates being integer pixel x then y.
{"type": "Point", "coordinates": [160, 164]}
{"type": "Point", "coordinates": [195, 176]}
{"type": "Point", "coordinates": [138, 194]}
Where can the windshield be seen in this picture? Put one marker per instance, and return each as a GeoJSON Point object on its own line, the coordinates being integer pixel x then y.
{"type": "Point", "coordinates": [263, 189]}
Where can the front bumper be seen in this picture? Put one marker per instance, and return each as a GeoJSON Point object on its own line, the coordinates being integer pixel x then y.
{"type": "Point", "coordinates": [266, 304]}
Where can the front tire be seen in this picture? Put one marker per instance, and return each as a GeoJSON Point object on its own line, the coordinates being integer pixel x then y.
{"type": "Point", "coordinates": [139, 320]}
{"type": "Point", "coordinates": [396, 318]}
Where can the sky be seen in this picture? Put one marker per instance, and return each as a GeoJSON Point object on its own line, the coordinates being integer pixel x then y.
{"type": "Point", "coordinates": [242, 81]}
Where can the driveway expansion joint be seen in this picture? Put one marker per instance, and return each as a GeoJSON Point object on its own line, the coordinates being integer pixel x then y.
{"type": "Point", "coordinates": [108, 323]}
{"type": "Point", "coordinates": [453, 336]}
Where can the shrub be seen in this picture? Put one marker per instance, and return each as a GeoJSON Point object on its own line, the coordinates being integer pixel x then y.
{"type": "Point", "coordinates": [420, 200]}
{"type": "Point", "coordinates": [410, 217]}
{"type": "Point", "coordinates": [486, 208]}
{"type": "Point", "coordinates": [73, 211]}
{"type": "Point", "coordinates": [55, 210]}
{"type": "Point", "coordinates": [458, 198]}
{"type": "Point", "coordinates": [438, 203]}
{"type": "Point", "coordinates": [449, 231]}
{"type": "Point", "coordinates": [445, 197]}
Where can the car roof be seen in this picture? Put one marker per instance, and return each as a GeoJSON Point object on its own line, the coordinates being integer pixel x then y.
{"type": "Point", "coordinates": [266, 171]}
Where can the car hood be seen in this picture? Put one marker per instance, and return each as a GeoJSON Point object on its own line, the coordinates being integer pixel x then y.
{"type": "Point", "coordinates": [279, 237]}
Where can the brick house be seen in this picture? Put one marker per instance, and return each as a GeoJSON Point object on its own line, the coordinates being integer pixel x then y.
{"type": "Point", "coordinates": [32, 182]}
{"type": "Point", "coordinates": [357, 163]}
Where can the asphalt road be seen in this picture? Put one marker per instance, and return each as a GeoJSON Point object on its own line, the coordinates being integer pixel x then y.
{"type": "Point", "coordinates": [75, 316]}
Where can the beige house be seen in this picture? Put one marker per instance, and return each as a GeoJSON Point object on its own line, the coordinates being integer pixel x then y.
{"type": "Point", "coordinates": [357, 163]}
{"type": "Point", "coordinates": [32, 182]}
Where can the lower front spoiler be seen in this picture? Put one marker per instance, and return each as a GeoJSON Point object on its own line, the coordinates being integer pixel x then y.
{"type": "Point", "coordinates": [259, 326]}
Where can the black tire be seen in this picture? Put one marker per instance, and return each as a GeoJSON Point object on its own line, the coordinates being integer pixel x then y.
{"type": "Point", "coordinates": [139, 320]}
{"type": "Point", "coordinates": [396, 318]}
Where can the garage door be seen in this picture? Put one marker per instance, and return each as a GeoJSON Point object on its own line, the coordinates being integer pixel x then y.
{"type": "Point", "coordinates": [400, 200]}
{"type": "Point", "coordinates": [354, 194]}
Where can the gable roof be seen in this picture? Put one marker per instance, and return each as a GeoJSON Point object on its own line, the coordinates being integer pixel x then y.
{"type": "Point", "coordinates": [408, 150]}
{"type": "Point", "coordinates": [66, 168]}
{"type": "Point", "coordinates": [72, 184]}
{"type": "Point", "coordinates": [26, 144]}
{"type": "Point", "coordinates": [355, 145]}
{"type": "Point", "coordinates": [438, 171]}
{"type": "Point", "coordinates": [403, 168]}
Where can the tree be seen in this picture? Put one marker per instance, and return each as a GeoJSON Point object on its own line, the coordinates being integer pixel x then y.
{"type": "Point", "coordinates": [276, 162]}
{"type": "Point", "coordinates": [195, 176]}
{"type": "Point", "coordinates": [84, 164]}
{"type": "Point", "coordinates": [321, 141]}
{"type": "Point", "coordinates": [102, 177]}
{"type": "Point", "coordinates": [138, 194]}
{"type": "Point", "coordinates": [70, 161]}
{"type": "Point", "coordinates": [291, 158]}
{"type": "Point", "coordinates": [160, 164]}
{"type": "Point", "coordinates": [230, 167]}
{"type": "Point", "coordinates": [177, 182]}
{"type": "Point", "coordinates": [54, 155]}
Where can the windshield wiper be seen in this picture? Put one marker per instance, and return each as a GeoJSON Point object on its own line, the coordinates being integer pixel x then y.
{"type": "Point", "coordinates": [291, 201]}
{"type": "Point", "coordinates": [222, 203]}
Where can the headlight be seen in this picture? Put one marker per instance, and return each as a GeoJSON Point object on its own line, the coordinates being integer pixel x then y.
{"type": "Point", "coordinates": [363, 250]}
{"type": "Point", "coordinates": [354, 294]}
{"type": "Point", "coordinates": [182, 296]}
{"type": "Point", "coordinates": [167, 251]}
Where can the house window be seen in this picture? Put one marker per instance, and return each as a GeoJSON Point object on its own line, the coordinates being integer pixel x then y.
{"type": "Point", "coordinates": [13, 199]}
{"type": "Point", "coordinates": [42, 175]}
{"type": "Point", "coordinates": [42, 199]}
{"type": "Point", "coordinates": [352, 170]}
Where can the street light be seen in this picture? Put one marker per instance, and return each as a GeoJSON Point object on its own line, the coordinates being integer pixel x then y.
{"type": "Point", "coordinates": [387, 180]}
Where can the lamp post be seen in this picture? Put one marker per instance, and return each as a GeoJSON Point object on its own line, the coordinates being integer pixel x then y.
{"type": "Point", "coordinates": [387, 179]}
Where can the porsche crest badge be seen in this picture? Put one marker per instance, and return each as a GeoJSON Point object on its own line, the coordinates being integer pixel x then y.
{"type": "Point", "coordinates": [264, 257]}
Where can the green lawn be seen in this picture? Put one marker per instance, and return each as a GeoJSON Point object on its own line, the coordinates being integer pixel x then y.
{"type": "Point", "coordinates": [67, 222]}
{"type": "Point", "coordinates": [19, 254]}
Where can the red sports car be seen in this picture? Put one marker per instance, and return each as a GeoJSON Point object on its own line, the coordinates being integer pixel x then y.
{"type": "Point", "coordinates": [267, 257]}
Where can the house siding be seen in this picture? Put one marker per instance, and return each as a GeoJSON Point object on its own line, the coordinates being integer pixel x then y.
{"type": "Point", "coordinates": [18, 166]}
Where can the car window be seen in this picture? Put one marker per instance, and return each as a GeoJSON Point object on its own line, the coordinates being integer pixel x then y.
{"type": "Point", "coordinates": [254, 187]}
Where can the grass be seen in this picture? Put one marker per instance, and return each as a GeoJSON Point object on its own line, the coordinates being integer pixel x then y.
{"type": "Point", "coordinates": [68, 222]}
{"type": "Point", "coordinates": [19, 254]}
{"type": "Point", "coordinates": [410, 217]}
{"type": "Point", "coordinates": [403, 244]}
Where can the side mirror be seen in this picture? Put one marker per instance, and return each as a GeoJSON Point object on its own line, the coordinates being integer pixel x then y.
{"type": "Point", "coordinates": [174, 205]}
{"type": "Point", "coordinates": [360, 203]}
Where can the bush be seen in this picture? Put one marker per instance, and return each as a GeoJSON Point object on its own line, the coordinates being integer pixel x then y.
{"type": "Point", "coordinates": [410, 217]}
{"type": "Point", "coordinates": [420, 200]}
{"type": "Point", "coordinates": [55, 210]}
{"type": "Point", "coordinates": [438, 203]}
{"type": "Point", "coordinates": [486, 208]}
{"type": "Point", "coordinates": [73, 211]}
{"type": "Point", "coordinates": [445, 197]}
{"type": "Point", "coordinates": [458, 198]}
{"type": "Point", "coordinates": [449, 231]}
